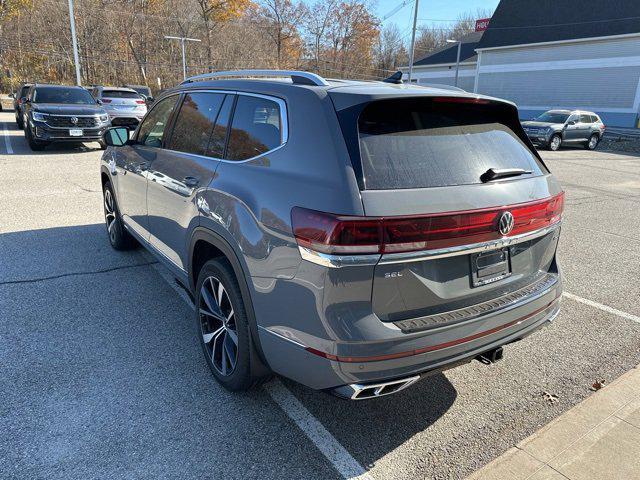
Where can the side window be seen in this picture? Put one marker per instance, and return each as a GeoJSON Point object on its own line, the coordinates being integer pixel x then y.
{"type": "Point", "coordinates": [153, 126]}
{"type": "Point", "coordinates": [219, 135]}
{"type": "Point", "coordinates": [255, 129]}
{"type": "Point", "coordinates": [195, 121]}
{"type": "Point", "coordinates": [585, 118]}
{"type": "Point", "coordinates": [574, 118]}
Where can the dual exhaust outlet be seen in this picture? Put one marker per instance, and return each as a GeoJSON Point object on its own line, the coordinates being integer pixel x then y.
{"type": "Point", "coordinates": [358, 391]}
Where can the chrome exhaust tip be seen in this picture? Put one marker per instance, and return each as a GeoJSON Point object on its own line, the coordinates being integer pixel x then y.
{"type": "Point", "coordinates": [359, 391]}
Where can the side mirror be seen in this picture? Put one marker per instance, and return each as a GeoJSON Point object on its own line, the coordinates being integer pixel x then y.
{"type": "Point", "coordinates": [116, 136]}
{"type": "Point", "coordinates": [571, 123]}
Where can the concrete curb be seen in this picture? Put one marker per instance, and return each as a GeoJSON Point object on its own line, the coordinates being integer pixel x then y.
{"type": "Point", "coordinates": [598, 438]}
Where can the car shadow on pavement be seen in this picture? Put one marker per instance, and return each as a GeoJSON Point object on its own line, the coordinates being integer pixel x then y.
{"type": "Point", "coordinates": [370, 429]}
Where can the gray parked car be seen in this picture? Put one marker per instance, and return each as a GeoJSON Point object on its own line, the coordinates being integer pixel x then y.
{"type": "Point", "coordinates": [124, 105]}
{"type": "Point", "coordinates": [557, 127]}
{"type": "Point", "coordinates": [353, 236]}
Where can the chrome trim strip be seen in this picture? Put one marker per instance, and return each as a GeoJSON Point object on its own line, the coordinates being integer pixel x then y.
{"type": "Point", "coordinates": [390, 258]}
{"type": "Point", "coordinates": [337, 261]}
{"type": "Point", "coordinates": [282, 337]}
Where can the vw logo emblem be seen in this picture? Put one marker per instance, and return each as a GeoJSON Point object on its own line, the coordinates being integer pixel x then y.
{"type": "Point", "coordinates": [506, 222]}
{"type": "Point", "coordinates": [74, 120]}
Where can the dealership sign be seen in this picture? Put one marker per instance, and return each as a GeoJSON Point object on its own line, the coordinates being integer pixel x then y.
{"type": "Point", "coordinates": [482, 24]}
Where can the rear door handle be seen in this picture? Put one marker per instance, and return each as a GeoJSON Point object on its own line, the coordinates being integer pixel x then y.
{"type": "Point", "coordinates": [191, 182]}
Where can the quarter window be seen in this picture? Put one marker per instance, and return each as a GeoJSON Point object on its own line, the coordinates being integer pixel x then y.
{"type": "Point", "coordinates": [195, 122]}
{"type": "Point", "coordinates": [256, 128]}
{"type": "Point", "coordinates": [153, 127]}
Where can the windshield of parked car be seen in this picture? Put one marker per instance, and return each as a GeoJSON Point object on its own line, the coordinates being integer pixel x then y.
{"type": "Point", "coordinates": [76, 96]}
{"type": "Point", "coordinates": [120, 94]}
{"type": "Point", "coordinates": [553, 117]}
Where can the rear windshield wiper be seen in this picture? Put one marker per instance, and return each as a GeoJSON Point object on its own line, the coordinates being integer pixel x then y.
{"type": "Point", "coordinates": [495, 173]}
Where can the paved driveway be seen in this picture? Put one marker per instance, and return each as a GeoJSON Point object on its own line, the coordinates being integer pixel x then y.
{"type": "Point", "coordinates": [102, 376]}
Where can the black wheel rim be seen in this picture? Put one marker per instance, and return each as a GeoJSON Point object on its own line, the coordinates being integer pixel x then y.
{"type": "Point", "coordinates": [218, 326]}
{"type": "Point", "coordinates": [110, 214]}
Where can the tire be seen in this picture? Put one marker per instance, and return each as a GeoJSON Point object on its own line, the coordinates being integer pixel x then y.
{"type": "Point", "coordinates": [223, 328]}
{"type": "Point", "coordinates": [592, 143]}
{"type": "Point", "coordinates": [19, 122]}
{"type": "Point", "coordinates": [103, 146]}
{"type": "Point", "coordinates": [555, 142]}
{"type": "Point", "coordinates": [33, 143]}
{"type": "Point", "coordinates": [118, 236]}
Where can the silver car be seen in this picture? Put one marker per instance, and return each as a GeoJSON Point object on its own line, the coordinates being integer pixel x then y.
{"type": "Point", "coordinates": [352, 236]}
{"type": "Point", "coordinates": [125, 106]}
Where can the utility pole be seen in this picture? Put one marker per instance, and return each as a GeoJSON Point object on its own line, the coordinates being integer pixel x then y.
{"type": "Point", "coordinates": [413, 41]}
{"type": "Point", "coordinates": [74, 40]}
{"type": "Point", "coordinates": [184, 52]}
{"type": "Point", "coordinates": [457, 59]}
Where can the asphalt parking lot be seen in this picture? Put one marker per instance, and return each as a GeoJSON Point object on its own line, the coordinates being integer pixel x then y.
{"type": "Point", "coordinates": [102, 376]}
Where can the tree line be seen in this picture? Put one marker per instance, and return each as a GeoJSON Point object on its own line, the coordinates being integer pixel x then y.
{"type": "Point", "coordinates": [122, 41]}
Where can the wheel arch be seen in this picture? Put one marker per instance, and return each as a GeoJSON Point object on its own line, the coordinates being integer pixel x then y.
{"type": "Point", "coordinates": [206, 244]}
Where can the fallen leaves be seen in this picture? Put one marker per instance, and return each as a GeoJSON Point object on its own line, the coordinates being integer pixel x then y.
{"type": "Point", "coordinates": [550, 397]}
{"type": "Point", "coordinates": [597, 385]}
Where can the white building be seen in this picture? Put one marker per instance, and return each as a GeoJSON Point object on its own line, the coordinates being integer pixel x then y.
{"type": "Point", "coordinates": [573, 54]}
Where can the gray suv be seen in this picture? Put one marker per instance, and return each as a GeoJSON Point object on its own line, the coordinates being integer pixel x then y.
{"type": "Point", "coordinates": [352, 236]}
{"type": "Point", "coordinates": [557, 127]}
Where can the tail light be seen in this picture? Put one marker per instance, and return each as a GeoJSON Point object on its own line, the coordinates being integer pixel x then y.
{"type": "Point", "coordinates": [20, 101]}
{"type": "Point", "coordinates": [140, 102]}
{"type": "Point", "coordinates": [338, 234]}
{"type": "Point", "coordinates": [106, 100]}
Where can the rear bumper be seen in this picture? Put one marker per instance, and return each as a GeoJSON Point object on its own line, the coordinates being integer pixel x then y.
{"type": "Point", "coordinates": [327, 365]}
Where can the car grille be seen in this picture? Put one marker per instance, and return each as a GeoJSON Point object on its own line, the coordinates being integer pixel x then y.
{"type": "Point", "coordinates": [59, 121]}
{"type": "Point", "coordinates": [492, 306]}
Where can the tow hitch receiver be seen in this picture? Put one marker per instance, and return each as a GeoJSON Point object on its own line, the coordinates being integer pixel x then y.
{"type": "Point", "coordinates": [492, 356]}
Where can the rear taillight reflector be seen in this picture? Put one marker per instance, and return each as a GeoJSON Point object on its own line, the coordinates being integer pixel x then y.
{"type": "Point", "coordinates": [140, 102]}
{"type": "Point", "coordinates": [347, 235]}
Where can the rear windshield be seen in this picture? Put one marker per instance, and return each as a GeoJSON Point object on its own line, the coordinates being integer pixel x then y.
{"type": "Point", "coordinates": [72, 95]}
{"type": "Point", "coordinates": [419, 143]}
{"type": "Point", "coordinates": [119, 94]}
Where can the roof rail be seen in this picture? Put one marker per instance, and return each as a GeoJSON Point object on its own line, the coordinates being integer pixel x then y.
{"type": "Point", "coordinates": [297, 77]}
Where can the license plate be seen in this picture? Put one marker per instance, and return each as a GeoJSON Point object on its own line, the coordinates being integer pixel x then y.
{"type": "Point", "coordinates": [490, 267]}
{"type": "Point", "coordinates": [75, 132]}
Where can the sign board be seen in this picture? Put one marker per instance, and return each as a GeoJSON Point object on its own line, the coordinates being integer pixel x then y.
{"type": "Point", "coordinates": [482, 24]}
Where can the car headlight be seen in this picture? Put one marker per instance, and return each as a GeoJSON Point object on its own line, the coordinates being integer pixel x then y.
{"type": "Point", "coordinates": [38, 117]}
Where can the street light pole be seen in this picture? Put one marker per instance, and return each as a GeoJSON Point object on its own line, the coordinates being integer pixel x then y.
{"type": "Point", "coordinates": [184, 51]}
{"type": "Point", "coordinates": [457, 59]}
{"type": "Point", "coordinates": [74, 41]}
{"type": "Point", "coordinates": [413, 41]}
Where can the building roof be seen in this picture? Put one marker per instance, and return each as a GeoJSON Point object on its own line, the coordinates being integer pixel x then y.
{"type": "Point", "coordinates": [520, 22]}
{"type": "Point", "coordinates": [449, 52]}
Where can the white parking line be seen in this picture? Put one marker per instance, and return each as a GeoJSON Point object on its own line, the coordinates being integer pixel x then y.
{"type": "Point", "coordinates": [604, 308]}
{"type": "Point", "coordinates": [7, 142]}
{"type": "Point", "coordinates": [339, 457]}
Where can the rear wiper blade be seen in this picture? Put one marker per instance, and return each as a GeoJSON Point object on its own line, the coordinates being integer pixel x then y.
{"type": "Point", "coordinates": [495, 173]}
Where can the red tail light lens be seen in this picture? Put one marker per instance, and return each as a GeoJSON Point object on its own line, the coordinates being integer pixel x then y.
{"type": "Point", "coordinates": [106, 100]}
{"type": "Point", "coordinates": [338, 234]}
{"type": "Point", "coordinates": [140, 102]}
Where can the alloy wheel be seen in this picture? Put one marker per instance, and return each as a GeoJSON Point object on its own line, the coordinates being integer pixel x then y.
{"type": "Point", "coordinates": [593, 141]}
{"type": "Point", "coordinates": [110, 214]}
{"type": "Point", "coordinates": [555, 143]}
{"type": "Point", "coordinates": [218, 326]}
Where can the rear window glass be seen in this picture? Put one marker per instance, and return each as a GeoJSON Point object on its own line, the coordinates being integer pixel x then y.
{"type": "Point", "coordinates": [120, 94]}
{"type": "Point", "coordinates": [418, 143]}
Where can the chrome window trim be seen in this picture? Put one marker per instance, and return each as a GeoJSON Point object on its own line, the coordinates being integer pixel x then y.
{"type": "Point", "coordinates": [390, 258]}
{"type": "Point", "coordinates": [339, 261]}
{"type": "Point", "coordinates": [284, 136]}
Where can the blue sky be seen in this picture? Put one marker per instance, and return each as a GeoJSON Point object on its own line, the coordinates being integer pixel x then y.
{"type": "Point", "coordinates": [431, 9]}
